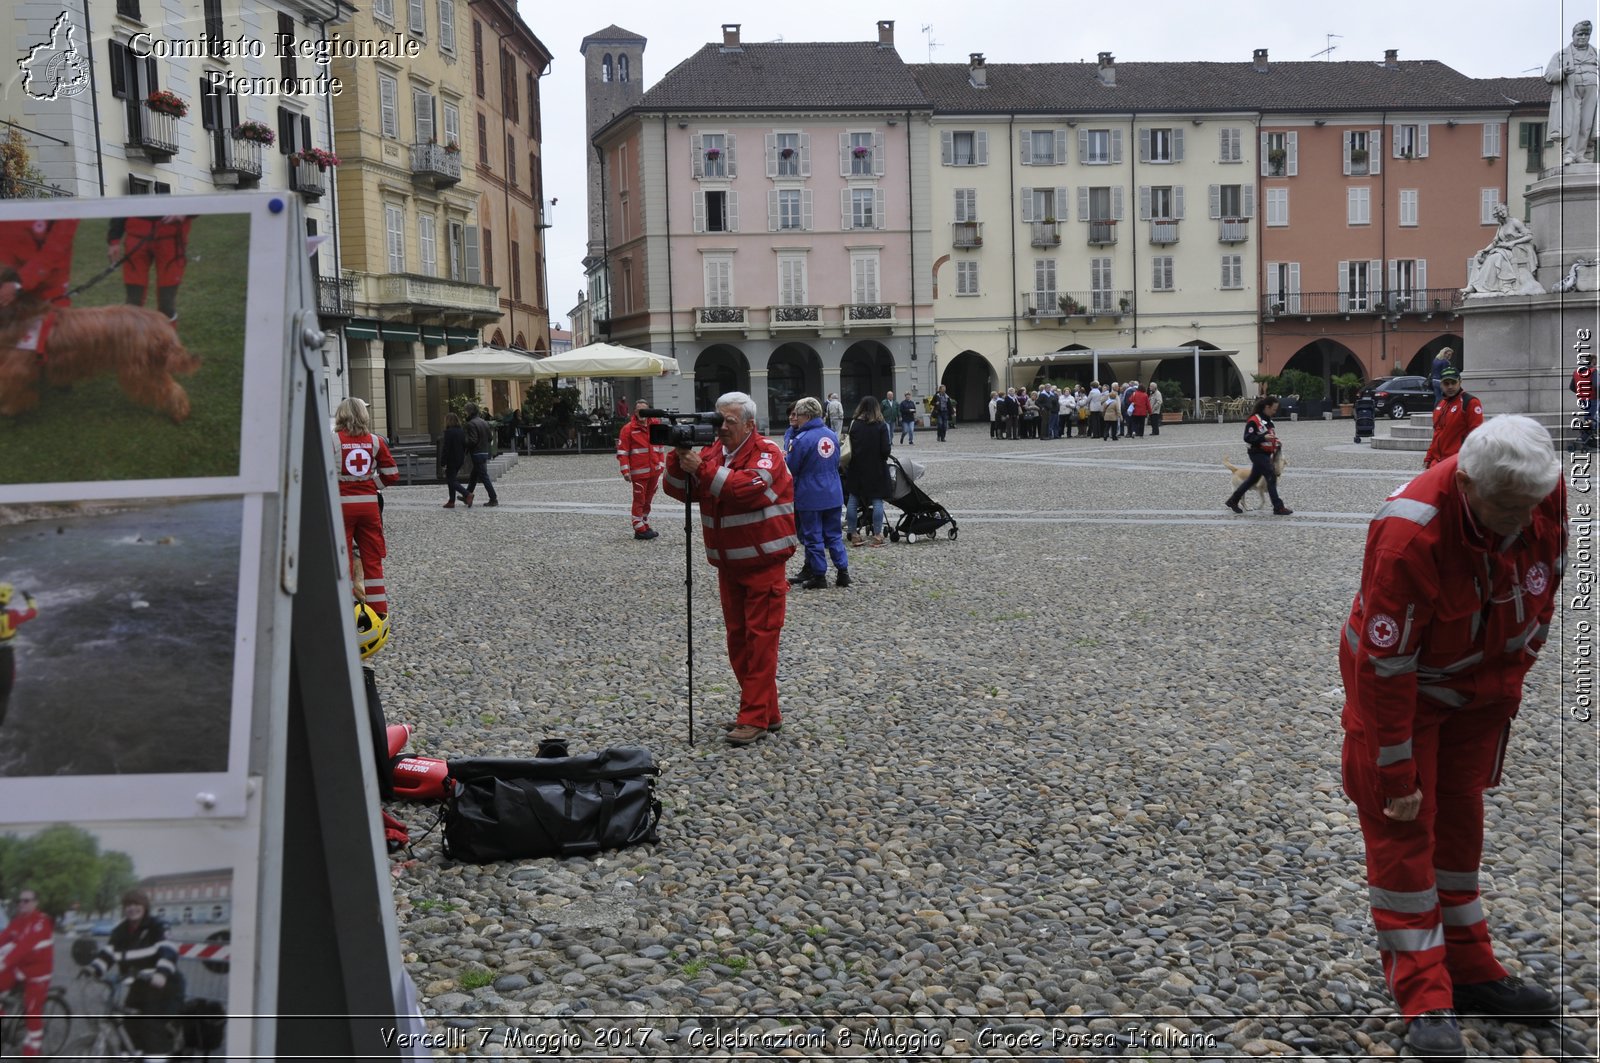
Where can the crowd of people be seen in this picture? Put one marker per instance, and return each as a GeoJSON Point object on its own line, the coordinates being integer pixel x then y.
{"type": "Point", "coordinates": [1056, 411]}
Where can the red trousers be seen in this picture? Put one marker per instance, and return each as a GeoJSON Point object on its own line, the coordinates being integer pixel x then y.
{"type": "Point", "coordinates": [644, 490]}
{"type": "Point", "coordinates": [753, 603]}
{"type": "Point", "coordinates": [1422, 875]}
{"type": "Point", "coordinates": [363, 531]}
{"type": "Point", "coordinates": [34, 991]}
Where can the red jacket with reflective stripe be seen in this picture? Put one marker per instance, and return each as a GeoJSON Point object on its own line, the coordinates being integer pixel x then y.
{"type": "Point", "coordinates": [1453, 419]}
{"type": "Point", "coordinates": [634, 452]}
{"type": "Point", "coordinates": [746, 506]}
{"type": "Point", "coordinates": [361, 462]}
{"type": "Point", "coordinates": [1582, 382]}
{"type": "Point", "coordinates": [1446, 619]}
{"type": "Point", "coordinates": [27, 946]}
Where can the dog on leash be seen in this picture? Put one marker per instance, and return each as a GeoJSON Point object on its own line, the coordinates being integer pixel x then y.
{"type": "Point", "coordinates": [139, 346]}
{"type": "Point", "coordinates": [1260, 488]}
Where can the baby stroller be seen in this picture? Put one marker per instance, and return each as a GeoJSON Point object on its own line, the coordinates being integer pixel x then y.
{"type": "Point", "coordinates": [920, 515]}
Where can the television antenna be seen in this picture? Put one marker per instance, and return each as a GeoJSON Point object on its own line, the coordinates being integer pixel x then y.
{"type": "Point", "coordinates": [927, 28]}
{"type": "Point", "coordinates": [1327, 39]}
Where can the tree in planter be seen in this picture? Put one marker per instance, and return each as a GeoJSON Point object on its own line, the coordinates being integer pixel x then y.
{"type": "Point", "coordinates": [1172, 400]}
{"type": "Point", "coordinates": [1347, 384]}
{"type": "Point", "coordinates": [1269, 383]}
{"type": "Point", "coordinates": [1279, 158]}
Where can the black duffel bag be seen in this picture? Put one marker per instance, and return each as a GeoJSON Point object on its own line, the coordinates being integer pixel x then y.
{"type": "Point", "coordinates": [551, 806]}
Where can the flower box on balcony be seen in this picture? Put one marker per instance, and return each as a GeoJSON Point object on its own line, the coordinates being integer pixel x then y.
{"type": "Point", "coordinates": [256, 131]}
{"type": "Point", "coordinates": [453, 148]}
{"type": "Point", "coordinates": [713, 153]}
{"type": "Point", "coordinates": [786, 153]}
{"type": "Point", "coordinates": [316, 156]}
{"type": "Point", "coordinates": [861, 153]}
{"type": "Point", "coordinates": [163, 102]}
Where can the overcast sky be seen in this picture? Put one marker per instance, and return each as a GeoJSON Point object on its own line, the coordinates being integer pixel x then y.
{"type": "Point", "coordinates": [1479, 39]}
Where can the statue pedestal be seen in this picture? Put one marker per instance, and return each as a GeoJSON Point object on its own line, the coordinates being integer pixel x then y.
{"type": "Point", "coordinates": [1520, 348]}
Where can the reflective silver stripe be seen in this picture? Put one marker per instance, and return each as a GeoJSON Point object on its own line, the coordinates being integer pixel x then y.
{"type": "Point", "coordinates": [739, 519]}
{"type": "Point", "coordinates": [1411, 940]}
{"type": "Point", "coordinates": [1405, 632]}
{"type": "Point", "coordinates": [1352, 637]}
{"type": "Point", "coordinates": [1395, 901]}
{"type": "Point", "coordinates": [1469, 914]}
{"type": "Point", "coordinates": [719, 479]}
{"type": "Point", "coordinates": [675, 482]}
{"type": "Point", "coordinates": [772, 496]}
{"type": "Point", "coordinates": [1388, 755]}
{"type": "Point", "coordinates": [740, 553]}
{"type": "Point", "coordinates": [1389, 667]}
{"type": "Point", "coordinates": [779, 544]}
{"type": "Point", "coordinates": [389, 470]}
{"type": "Point", "coordinates": [1477, 623]}
{"type": "Point", "coordinates": [711, 555]}
{"type": "Point", "coordinates": [707, 520]}
{"type": "Point", "coordinates": [1542, 632]}
{"type": "Point", "coordinates": [1407, 509]}
{"type": "Point", "coordinates": [1516, 642]}
{"type": "Point", "coordinates": [1455, 880]}
{"type": "Point", "coordinates": [356, 500]}
{"type": "Point", "coordinates": [637, 450]}
{"type": "Point", "coordinates": [1452, 698]}
{"type": "Point", "coordinates": [765, 474]}
{"type": "Point", "coordinates": [1453, 667]}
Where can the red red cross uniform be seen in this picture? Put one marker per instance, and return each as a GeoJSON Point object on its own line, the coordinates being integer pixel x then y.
{"type": "Point", "coordinates": [641, 466]}
{"type": "Point", "coordinates": [364, 461]}
{"type": "Point", "coordinates": [27, 955]}
{"type": "Point", "coordinates": [1453, 420]}
{"type": "Point", "coordinates": [155, 242]}
{"type": "Point", "coordinates": [1446, 625]}
{"type": "Point", "coordinates": [40, 254]}
{"type": "Point", "coordinates": [747, 518]}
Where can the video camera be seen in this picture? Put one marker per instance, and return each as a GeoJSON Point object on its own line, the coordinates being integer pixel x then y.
{"type": "Point", "coordinates": [682, 429]}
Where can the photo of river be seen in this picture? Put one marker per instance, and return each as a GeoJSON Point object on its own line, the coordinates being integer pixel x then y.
{"type": "Point", "coordinates": [128, 666]}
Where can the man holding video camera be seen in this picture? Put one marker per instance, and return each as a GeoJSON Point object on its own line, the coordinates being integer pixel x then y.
{"type": "Point", "coordinates": [746, 499]}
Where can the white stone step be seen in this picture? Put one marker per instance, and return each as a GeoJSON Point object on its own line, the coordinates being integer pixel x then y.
{"type": "Point", "coordinates": [1391, 443]}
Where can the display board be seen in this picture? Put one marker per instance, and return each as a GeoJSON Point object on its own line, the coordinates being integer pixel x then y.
{"type": "Point", "coordinates": [178, 600]}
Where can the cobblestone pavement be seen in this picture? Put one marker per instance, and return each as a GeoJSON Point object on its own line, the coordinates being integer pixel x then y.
{"type": "Point", "coordinates": [1066, 786]}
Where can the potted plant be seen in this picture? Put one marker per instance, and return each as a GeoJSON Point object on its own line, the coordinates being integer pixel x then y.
{"type": "Point", "coordinates": [323, 159]}
{"type": "Point", "coordinates": [1124, 304]}
{"type": "Point", "coordinates": [713, 153]}
{"type": "Point", "coordinates": [163, 102]}
{"type": "Point", "coordinates": [452, 148]}
{"type": "Point", "coordinates": [786, 153]}
{"type": "Point", "coordinates": [1070, 306]}
{"type": "Point", "coordinates": [250, 129]}
{"type": "Point", "coordinates": [1279, 160]}
{"type": "Point", "coordinates": [861, 151]}
{"type": "Point", "coordinates": [1358, 156]}
{"type": "Point", "coordinates": [1172, 401]}
{"type": "Point", "coordinates": [1268, 383]}
{"type": "Point", "coordinates": [1347, 384]}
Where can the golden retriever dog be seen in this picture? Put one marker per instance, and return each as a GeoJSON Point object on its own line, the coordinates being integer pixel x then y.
{"type": "Point", "coordinates": [140, 346]}
{"type": "Point", "coordinates": [1260, 488]}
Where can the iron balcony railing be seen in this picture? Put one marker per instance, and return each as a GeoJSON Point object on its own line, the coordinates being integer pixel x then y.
{"type": "Point", "coordinates": [307, 178]}
{"type": "Point", "coordinates": [1423, 302]}
{"type": "Point", "coordinates": [797, 317]}
{"type": "Point", "coordinates": [1233, 230]}
{"type": "Point", "coordinates": [235, 156]}
{"type": "Point", "coordinates": [336, 297]}
{"type": "Point", "coordinates": [711, 317]}
{"type": "Point", "coordinates": [1046, 234]}
{"type": "Point", "coordinates": [1094, 303]}
{"type": "Point", "coordinates": [434, 163]}
{"type": "Point", "coordinates": [1102, 231]}
{"type": "Point", "coordinates": [1164, 231]}
{"type": "Point", "coordinates": [155, 131]}
{"type": "Point", "coordinates": [869, 311]}
{"type": "Point", "coordinates": [22, 188]}
{"type": "Point", "coordinates": [967, 234]}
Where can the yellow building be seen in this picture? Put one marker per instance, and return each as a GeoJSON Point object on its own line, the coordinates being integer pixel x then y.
{"type": "Point", "coordinates": [409, 227]}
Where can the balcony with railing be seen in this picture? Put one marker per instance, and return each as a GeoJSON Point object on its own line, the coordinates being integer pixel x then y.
{"type": "Point", "coordinates": [410, 293]}
{"type": "Point", "coordinates": [1109, 303]}
{"type": "Point", "coordinates": [307, 178]}
{"type": "Point", "coordinates": [795, 318]}
{"type": "Point", "coordinates": [1233, 230]}
{"type": "Point", "coordinates": [1164, 231]}
{"type": "Point", "coordinates": [154, 132]}
{"type": "Point", "coordinates": [1419, 302]}
{"type": "Point", "coordinates": [1041, 306]}
{"type": "Point", "coordinates": [430, 162]}
{"type": "Point", "coordinates": [967, 234]}
{"type": "Point", "coordinates": [1046, 234]}
{"type": "Point", "coordinates": [866, 315]}
{"type": "Point", "coordinates": [721, 319]}
{"type": "Point", "coordinates": [1102, 232]}
{"type": "Point", "coordinates": [22, 188]}
{"type": "Point", "coordinates": [336, 297]}
{"type": "Point", "coordinates": [235, 162]}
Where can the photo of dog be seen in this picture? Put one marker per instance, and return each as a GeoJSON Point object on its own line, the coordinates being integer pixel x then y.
{"type": "Point", "coordinates": [138, 346]}
{"type": "Point", "coordinates": [1260, 488]}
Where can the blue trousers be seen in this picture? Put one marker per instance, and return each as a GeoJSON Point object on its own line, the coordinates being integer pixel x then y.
{"type": "Point", "coordinates": [820, 535]}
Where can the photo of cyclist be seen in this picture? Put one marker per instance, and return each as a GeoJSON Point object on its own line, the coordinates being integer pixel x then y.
{"type": "Point", "coordinates": [27, 956]}
{"type": "Point", "coordinates": [140, 949]}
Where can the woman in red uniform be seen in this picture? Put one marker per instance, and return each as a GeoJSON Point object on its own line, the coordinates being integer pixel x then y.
{"type": "Point", "coordinates": [1262, 440]}
{"type": "Point", "coordinates": [363, 461]}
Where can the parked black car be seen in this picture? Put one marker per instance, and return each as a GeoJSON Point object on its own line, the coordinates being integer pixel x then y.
{"type": "Point", "coordinates": [1400, 396]}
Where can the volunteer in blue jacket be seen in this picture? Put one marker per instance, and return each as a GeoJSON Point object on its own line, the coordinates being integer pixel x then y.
{"type": "Point", "coordinates": [813, 457]}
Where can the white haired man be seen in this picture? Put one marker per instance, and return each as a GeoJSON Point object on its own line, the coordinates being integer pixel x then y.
{"type": "Point", "coordinates": [746, 498]}
{"type": "Point", "coordinates": [1458, 586]}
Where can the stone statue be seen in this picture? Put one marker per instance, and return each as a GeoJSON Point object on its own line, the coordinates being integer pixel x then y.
{"type": "Point", "coordinates": [1575, 71]}
{"type": "Point", "coordinates": [1507, 265]}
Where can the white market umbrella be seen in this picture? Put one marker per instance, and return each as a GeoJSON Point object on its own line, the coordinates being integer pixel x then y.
{"type": "Point", "coordinates": [481, 363]}
{"type": "Point", "coordinates": [607, 360]}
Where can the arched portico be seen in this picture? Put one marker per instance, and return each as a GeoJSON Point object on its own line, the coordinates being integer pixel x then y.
{"type": "Point", "coordinates": [793, 371]}
{"type": "Point", "coordinates": [969, 378]}
{"type": "Point", "coordinates": [1421, 363]}
{"type": "Point", "coordinates": [718, 370]}
{"type": "Point", "coordinates": [867, 368]}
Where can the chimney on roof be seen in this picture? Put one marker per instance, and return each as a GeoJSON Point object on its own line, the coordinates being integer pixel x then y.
{"type": "Point", "coordinates": [1391, 58]}
{"type": "Point", "coordinates": [977, 73]}
{"type": "Point", "coordinates": [1108, 69]}
{"type": "Point", "coordinates": [730, 37]}
{"type": "Point", "coordinates": [886, 33]}
{"type": "Point", "coordinates": [1260, 58]}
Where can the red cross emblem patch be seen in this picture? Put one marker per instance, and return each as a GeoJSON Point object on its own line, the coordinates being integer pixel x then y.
{"type": "Point", "coordinates": [1383, 631]}
{"type": "Point", "coordinates": [1537, 580]}
{"type": "Point", "coordinates": [826, 447]}
{"type": "Point", "coordinates": [358, 461]}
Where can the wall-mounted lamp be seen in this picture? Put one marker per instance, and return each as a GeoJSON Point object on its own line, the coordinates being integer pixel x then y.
{"type": "Point", "coordinates": [1073, 122]}
{"type": "Point", "coordinates": [682, 124]}
{"type": "Point", "coordinates": [894, 121]}
{"type": "Point", "coordinates": [1320, 122]}
{"type": "Point", "coordinates": [1451, 123]}
{"type": "Point", "coordinates": [1197, 121]}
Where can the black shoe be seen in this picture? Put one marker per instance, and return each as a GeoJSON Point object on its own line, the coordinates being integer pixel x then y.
{"type": "Point", "coordinates": [1282, 511]}
{"type": "Point", "coordinates": [800, 577]}
{"type": "Point", "coordinates": [1436, 1034]}
{"type": "Point", "coordinates": [1509, 996]}
{"type": "Point", "coordinates": [842, 579]}
{"type": "Point", "coordinates": [648, 533]}
{"type": "Point", "coordinates": [814, 583]}
{"type": "Point", "coordinates": [491, 503]}
{"type": "Point", "coordinates": [1233, 504]}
